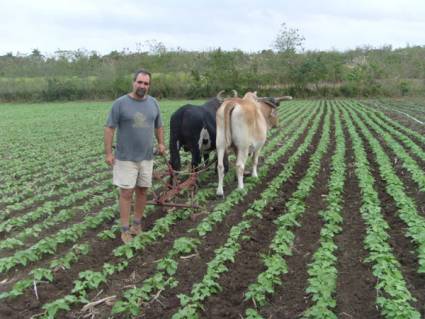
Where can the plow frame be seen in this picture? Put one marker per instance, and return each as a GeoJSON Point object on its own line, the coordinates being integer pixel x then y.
{"type": "Point", "coordinates": [174, 188]}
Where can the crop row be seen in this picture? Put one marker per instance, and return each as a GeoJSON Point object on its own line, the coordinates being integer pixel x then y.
{"type": "Point", "coordinates": [393, 296]}
{"type": "Point", "coordinates": [128, 251]}
{"type": "Point", "coordinates": [407, 209]}
{"type": "Point", "coordinates": [190, 304]}
{"type": "Point", "coordinates": [417, 174]}
{"type": "Point", "coordinates": [323, 269]}
{"type": "Point", "coordinates": [283, 241]}
{"type": "Point", "coordinates": [405, 139]}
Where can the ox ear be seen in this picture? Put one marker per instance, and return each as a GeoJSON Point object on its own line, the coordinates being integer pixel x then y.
{"type": "Point", "coordinates": [273, 112]}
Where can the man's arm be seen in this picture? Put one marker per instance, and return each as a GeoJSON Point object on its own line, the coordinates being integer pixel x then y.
{"type": "Point", "coordinates": [108, 137]}
{"type": "Point", "coordinates": [159, 133]}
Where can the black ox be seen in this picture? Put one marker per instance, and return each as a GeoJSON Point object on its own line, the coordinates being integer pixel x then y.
{"type": "Point", "coordinates": [193, 127]}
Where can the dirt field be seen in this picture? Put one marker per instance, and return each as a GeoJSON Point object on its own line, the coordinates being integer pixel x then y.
{"type": "Point", "coordinates": [356, 287]}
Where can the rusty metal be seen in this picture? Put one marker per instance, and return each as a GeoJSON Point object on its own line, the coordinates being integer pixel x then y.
{"type": "Point", "coordinates": [165, 197]}
{"type": "Point", "coordinates": [174, 188]}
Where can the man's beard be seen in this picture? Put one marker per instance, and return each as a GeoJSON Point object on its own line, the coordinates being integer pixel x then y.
{"type": "Point", "coordinates": [141, 92]}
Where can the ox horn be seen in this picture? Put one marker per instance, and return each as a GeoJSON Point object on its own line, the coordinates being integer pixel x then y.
{"type": "Point", "coordinates": [220, 96]}
{"type": "Point", "coordinates": [235, 93]}
{"type": "Point", "coordinates": [282, 98]}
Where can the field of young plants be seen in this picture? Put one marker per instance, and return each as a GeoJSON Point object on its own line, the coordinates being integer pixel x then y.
{"type": "Point", "coordinates": [334, 227]}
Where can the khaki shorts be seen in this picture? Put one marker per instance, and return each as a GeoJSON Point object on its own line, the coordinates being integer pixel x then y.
{"type": "Point", "coordinates": [127, 174]}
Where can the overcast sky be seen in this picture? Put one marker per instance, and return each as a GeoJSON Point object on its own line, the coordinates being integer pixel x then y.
{"type": "Point", "coordinates": [248, 25]}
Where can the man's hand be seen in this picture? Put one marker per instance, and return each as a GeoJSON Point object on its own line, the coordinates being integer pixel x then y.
{"type": "Point", "coordinates": [110, 159]}
{"type": "Point", "coordinates": [161, 149]}
{"type": "Point", "coordinates": [107, 141]}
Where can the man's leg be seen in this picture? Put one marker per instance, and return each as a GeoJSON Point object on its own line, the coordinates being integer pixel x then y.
{"type": "Point", "coordinates": [144, 181]}
{"type": "Point", "coordinates": [125, 176]}
{"type": "Point", "coordinates": [125, 208]}
{"type": "Point", "coordinates": [139, 209]}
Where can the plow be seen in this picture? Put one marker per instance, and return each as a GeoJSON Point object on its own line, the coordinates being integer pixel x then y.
{"type": "Point", "coordinates": [174, 185]}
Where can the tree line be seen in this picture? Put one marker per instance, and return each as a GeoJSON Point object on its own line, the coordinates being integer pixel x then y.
{"type": "Point", "coordinates": [76, 75]}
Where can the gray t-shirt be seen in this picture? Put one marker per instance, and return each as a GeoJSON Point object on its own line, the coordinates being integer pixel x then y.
{"type": "Point", "coordinates": [135, 121]}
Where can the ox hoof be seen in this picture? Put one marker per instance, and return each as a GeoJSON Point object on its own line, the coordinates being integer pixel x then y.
{"type": "Point", "coordinates": [220, 195]}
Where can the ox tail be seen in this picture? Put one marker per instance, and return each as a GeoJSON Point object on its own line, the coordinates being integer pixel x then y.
{"type": "Point", "coordinates": [227, 123]}
{"type": "Point", "coordinates": [174, 143]}
{"type": "Point", "coordinates": [210, 126]}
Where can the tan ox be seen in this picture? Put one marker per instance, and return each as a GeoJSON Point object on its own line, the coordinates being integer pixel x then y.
{"type": "Point", "coordinates": [242, 125]}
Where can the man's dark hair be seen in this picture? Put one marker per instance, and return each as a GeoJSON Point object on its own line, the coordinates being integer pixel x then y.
{"type": "Point", "coordinates": [141, 71]}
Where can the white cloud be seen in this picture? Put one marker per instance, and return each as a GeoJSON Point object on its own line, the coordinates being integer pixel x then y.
{"type": "Point", "coordinates": [249, 25]}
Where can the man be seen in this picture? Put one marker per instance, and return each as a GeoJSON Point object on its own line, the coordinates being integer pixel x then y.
{"type": "Point", "coordinates": [136, 116]}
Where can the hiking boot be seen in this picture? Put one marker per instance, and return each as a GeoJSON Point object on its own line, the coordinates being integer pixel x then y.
{"type": "Point", "coordinates": [135, 229]}
{"type": "Point", "coordinates": [126, 237]}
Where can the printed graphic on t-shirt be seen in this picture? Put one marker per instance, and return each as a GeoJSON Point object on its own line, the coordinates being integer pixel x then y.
{"type": "Point", "coordinates": [139, 120]}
